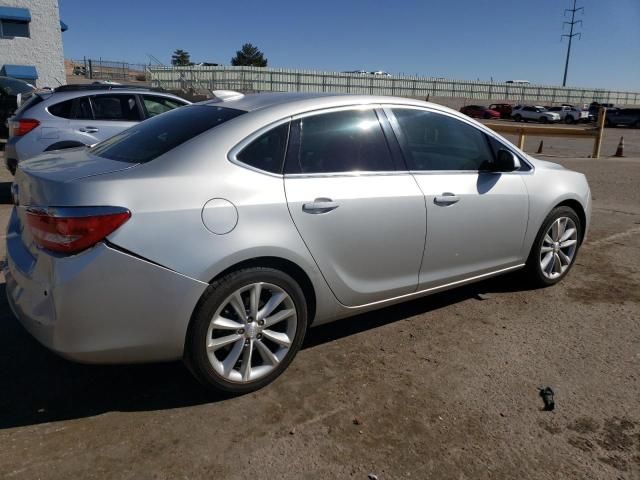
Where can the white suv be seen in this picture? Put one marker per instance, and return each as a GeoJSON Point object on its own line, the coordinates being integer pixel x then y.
{"type": "Point", "coordinates": [535, 113]}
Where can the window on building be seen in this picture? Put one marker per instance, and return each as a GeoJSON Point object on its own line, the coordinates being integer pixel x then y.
{"type": "Point", "coordinates": [13, 28]}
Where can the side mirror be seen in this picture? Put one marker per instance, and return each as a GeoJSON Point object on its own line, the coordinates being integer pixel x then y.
{"type": "Point", "coordinates": [506, 161]}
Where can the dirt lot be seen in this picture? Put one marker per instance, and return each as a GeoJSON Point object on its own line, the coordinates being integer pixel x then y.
{"type": "Point", "coordinates": [441, 388]}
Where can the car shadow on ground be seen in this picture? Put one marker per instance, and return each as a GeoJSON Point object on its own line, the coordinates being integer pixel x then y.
{"type": "Point", "coordinates": [37, 386]}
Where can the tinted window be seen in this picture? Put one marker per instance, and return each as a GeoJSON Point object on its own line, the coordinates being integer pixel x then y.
{"type": "Point", "coordinates": [267, 151]}
{"type": "Point", "coordinates": [345, 141]}
{"type": "Point", "coordinates": [81, 109]}
{"type": "Point", "coordinates": [13, 28]}
{"type": "Point", "coordinates": [157, 105]}
{"type": "Point", "coordinates": [62, 109]}
{"type": "Point", "coordinates": [158, 135]}
{"type": "Point", "coordinates": [116, 107]}
{"type": "Point", "coordinates": [431, 141]}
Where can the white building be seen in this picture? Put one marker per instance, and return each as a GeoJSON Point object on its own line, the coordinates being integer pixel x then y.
{"type": "Point", "coordinates": [31, 42]}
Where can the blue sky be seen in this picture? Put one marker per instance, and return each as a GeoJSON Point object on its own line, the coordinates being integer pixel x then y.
{"type": "Point", "coordinates": [462, 39]}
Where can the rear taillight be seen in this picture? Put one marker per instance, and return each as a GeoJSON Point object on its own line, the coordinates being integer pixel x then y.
{"type": "Point", "coordinates": [18, 128]}
{"type": "Point", "coordinates": [71, 230]}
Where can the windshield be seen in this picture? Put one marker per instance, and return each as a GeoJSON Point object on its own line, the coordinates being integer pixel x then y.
{"type": "Point", "coordinates": [12, 86]}
{"type": "Point", "coordinates": [158, 135]}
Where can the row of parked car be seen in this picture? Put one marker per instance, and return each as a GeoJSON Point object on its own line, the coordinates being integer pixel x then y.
{"type": "Point", "coordinates": [564, 113]}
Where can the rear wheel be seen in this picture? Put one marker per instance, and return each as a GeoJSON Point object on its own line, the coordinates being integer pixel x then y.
{"type": "Point", "coordinates": [544, 120]}
{"type": "Point", "coordinates": [517, 117]}
{"type": "Point", "coordinates": [569, 120]}
{"type": "Point", "coordinates": [246, 330]}
{"type": "Point", "coordinates": [555, 247]}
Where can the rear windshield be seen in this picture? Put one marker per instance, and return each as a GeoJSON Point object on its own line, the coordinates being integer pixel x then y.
{"type": "Point", "coordinates": [158, 135]}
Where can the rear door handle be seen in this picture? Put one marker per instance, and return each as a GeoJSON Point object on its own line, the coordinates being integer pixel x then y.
{"type": "Point", "coordinates": [320, 205]}
{"type": "Point", "coordinates": [88, 129]}
{"type": "Point", "coordinates": [447, 198]}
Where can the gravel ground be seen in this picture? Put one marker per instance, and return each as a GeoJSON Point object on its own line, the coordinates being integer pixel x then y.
{"type": "Point", "coordinates": [445, 387]}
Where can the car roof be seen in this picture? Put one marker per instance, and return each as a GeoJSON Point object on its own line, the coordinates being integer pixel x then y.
{"type": "Point", "coordinates": [300, 102]}
{"type": "Point", "coordinates": [50, 97]}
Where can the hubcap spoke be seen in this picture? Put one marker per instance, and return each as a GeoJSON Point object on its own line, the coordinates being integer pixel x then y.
{"type": "Point", "coordinates": [278, 337]}
{"type": "Point", "coordinates": [568, 233]}
{"type": "Point", "coordinates": [238, 305]}
{"type": "Point", "coordinates": [548, 240]}
{"type": "Point", "coordinates": [266, 354]}
{"type": "Point", "coordinates": [232, 358]}
{"type": "Point", "coordinates": [278, 317]}
{"type": "Point", "coordinates": [545, 249]}
{"type": "Point", "coordinates": [565, 259]}
{"type": "Point", "coordinates": [256, 291]}
{"type": "Point", "coordinates": [222, 323]}
{"type": "Point", "coordinates": [245, 368]}
{"type": "Point", "coordinates": [568, 243]}
{"type": "Point", "coordinates": [275, 300]}
{"type": "Point", "coordinates": [546, 260]}
{"type": "Point", "coordinates": [217, 343]}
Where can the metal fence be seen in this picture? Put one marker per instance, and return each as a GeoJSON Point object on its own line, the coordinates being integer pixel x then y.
{"type": "Point", "coordinates": [255, 79]}
{"type": "Point", "coordinates": [100, 69]}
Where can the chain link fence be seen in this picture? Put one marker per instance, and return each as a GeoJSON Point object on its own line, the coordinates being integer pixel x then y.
{"type": "Point", "coordinates": [99, 69]}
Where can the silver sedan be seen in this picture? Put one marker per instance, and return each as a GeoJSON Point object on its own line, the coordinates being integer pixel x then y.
{"type": "Point", "coordinates": [219, 232]}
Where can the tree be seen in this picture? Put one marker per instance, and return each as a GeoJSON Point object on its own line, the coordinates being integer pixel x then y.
{"type": "Point", "coordinates": [249, 56]}
{"type": "Point", "coordinates": [181, 58]}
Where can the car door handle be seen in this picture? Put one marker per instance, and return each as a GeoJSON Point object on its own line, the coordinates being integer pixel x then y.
{"type": "Point", "coordinates": [88, 129]}
{"type": "Point", "coordinates": [447, 198]}
{"type": "Point", "coordinates": [320, 205]}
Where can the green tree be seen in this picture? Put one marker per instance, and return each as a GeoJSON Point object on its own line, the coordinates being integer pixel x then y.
{"type": "Point", "coordinates": [181, 58]}
{"type": "Point", "coordinates": [249, 56]}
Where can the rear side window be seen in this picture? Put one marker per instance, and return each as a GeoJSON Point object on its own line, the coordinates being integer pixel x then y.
{"type": "Point", "coordinates": [62, 109]}
{"type": "Point", "coordinates": [345, 141]}
{"type": "Point", "coordinates": [116, 107]}
{"type": "Point", "coordinates": [432, 141]}
{"type": "Point", "coordinates": [267, 151]}
{"type": "Point", "coordinates": [150, 139]}
{"type": "Point", "coordinates": [156, 105]}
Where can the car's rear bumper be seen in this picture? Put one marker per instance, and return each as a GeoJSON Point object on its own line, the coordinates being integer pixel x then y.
{"type": "Point", "coordinates": [100, 306]}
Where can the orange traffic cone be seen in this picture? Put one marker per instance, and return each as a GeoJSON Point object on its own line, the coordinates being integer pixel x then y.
{"type": "Point", "coordinates": [620, 149]}
{"type": "Point", "coordinates": [540, 147]}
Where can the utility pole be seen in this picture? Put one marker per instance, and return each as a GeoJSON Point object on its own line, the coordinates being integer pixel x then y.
{"type": "Point", "coordinates": [570, 35]}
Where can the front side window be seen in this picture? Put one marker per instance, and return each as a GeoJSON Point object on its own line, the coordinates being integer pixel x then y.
{"type": "Point", "coordinates": [267, 151]}
{"type": "Point", "coordinates": [335, 142]}
{"type": "Point", "coordinates": [14, 28]}
{"type": "Point", "coordinates": [116, 107]}
{"type": "Point", "coordinates": [156, 105]}
{"type": "Point", "coordinates": [148, 140]}
{"type": "Point", "coordinates": [432, 141]}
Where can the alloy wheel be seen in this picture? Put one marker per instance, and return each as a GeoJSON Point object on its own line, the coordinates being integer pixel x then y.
{"type": "Point", "coordinates": [558, 247]}
{"type": "Point", "coordinates": [251, 332]}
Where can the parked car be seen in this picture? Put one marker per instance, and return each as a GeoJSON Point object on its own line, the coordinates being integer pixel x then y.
{"type": "Point", "coordinates": [623, 116]}
{"type": "Point", "coordinates": [535, 113]}
{"type": "Point", "coordinates": [219, 232]}
{"type": "Point", "coordinates": [478, 111]}
{"type": "Point", "coordinates": [570, 114]}
{"type": "Point", "coordinates": [79, 115]}
{"type": "Point", "coordinates": [381, 73]}
{"type": "Point", "coordinates": [10, 90]}
{"type": "Point", "coordinates": [504, 109]}
{"type": "Point", "coordinates": [518, 82]}
{"type": "Point", "coordinates": [594, 109]}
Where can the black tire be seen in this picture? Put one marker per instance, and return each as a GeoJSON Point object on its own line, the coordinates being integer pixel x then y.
{"type": "Point", "coordinates": [533, 268]}
{"type": "Point", "coordinates": [544, 120]}
{"type": "Point", "coordinates": [569, 120]}
{"type": "Point", "coordinates": [517, 117]}
{"type": "Point", "coordinates": [608, 123]}
{"type": "Point", "coordinates": [486, 116]}
{"type": "Point", "coordinates": [195, 355]}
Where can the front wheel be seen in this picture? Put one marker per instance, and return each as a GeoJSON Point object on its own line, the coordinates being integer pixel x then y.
{"type": "Point", "coordinates": [246, 330]}
{"type": "Point", "coordinates": [569, 120]}
{"type": "Point", "coordinates": [555, 247]}
{"type": "Point", "coordinates": [517, 117]}
{"type": "Point", "coordinates": [544, 120]}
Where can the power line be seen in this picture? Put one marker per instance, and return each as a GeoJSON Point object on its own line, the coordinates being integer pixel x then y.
{"type": "Point", "coordinates": [570, 35]}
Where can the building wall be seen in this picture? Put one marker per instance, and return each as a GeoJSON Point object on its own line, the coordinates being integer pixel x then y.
{"type": "Point", "coordinates": [43, 49]}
